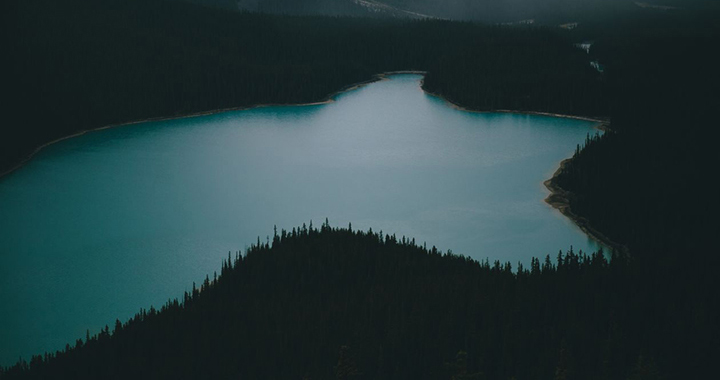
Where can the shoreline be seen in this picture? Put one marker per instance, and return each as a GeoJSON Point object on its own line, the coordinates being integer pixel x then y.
{"type": "Point", "coordinates": [558, 198]}
{"type": "Point", "coordinates": [329, 99]}
{"type": "Point", "coordinates": [603, 122]}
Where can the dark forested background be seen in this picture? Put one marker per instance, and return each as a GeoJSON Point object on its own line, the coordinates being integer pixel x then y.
{"type": "Point", "coordinates": [334, 304]}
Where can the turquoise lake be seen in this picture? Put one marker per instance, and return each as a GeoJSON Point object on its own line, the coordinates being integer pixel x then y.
{"type": "Point", "coordinates": [98, 226]}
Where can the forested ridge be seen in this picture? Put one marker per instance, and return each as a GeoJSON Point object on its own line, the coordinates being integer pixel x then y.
{"type": "Point", "coordinates": [335, 303]}
{"type": "Point", "coordinates": [82, 64]}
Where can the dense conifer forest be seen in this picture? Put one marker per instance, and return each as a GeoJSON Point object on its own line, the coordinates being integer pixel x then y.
{"type": "Point", "coordinates": [332, 303]}
{"type": "Point", "coordinates": [642, 183]}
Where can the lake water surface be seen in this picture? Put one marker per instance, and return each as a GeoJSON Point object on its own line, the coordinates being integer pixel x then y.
{"type": "Point", "coordinates": [95, 227]}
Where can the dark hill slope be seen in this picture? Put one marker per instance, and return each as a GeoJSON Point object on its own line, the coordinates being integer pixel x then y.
{"type": "Point", "coordinates": [328, 303]}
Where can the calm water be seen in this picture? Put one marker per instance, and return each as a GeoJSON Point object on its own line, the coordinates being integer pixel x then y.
{"type": "Point", "coordinates": [98, 226]}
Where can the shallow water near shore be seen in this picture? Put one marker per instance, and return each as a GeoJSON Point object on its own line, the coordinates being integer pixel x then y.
{"type": "Point", "coordinates": [96, 227]}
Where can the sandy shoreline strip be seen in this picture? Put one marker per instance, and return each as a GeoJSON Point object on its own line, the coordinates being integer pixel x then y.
{"type": "Point", "coordinates": [558, 198]}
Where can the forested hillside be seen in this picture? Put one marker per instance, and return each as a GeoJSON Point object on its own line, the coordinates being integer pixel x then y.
{"type": "Point", "coordinates": [642, 184]}
{"type": "Point", "coordinates": [334, 303]}
{"type": "Point", "coordinates": [646, 184]}
{"type": "Point", "coordinates": [84, 64]}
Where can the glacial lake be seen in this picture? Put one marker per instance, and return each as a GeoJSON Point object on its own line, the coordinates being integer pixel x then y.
{"type": "Point", "coordinates": [98, 226]}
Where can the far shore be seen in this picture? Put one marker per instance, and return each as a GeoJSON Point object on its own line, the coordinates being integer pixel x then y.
{"type": "Point", "coordinates": [558, 198]}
